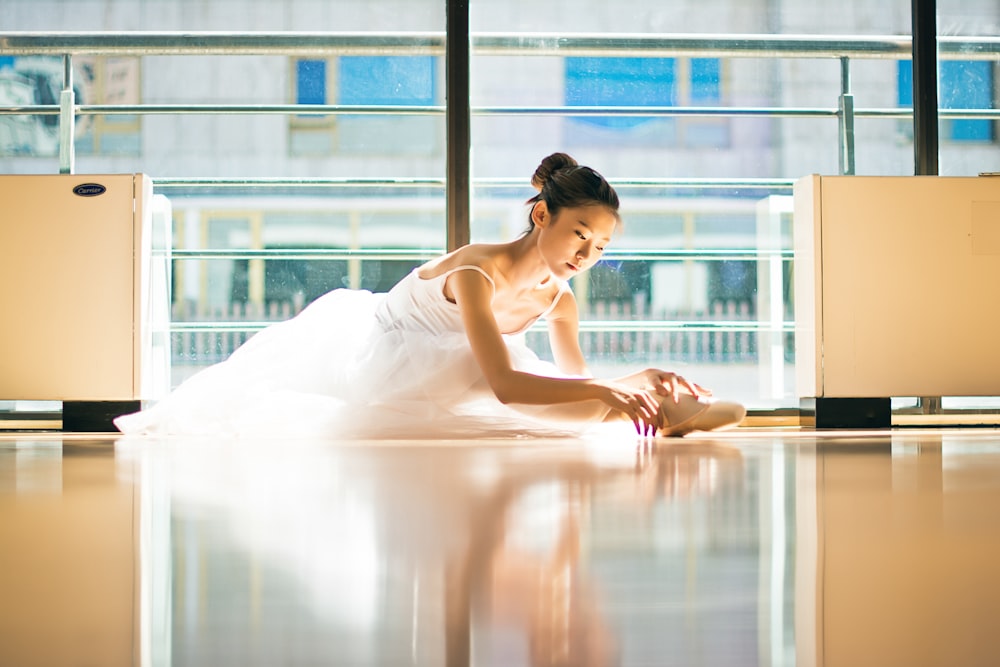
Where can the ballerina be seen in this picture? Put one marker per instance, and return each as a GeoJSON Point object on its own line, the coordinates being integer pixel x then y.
{"type": "Point", "coordinates": [443, 352]}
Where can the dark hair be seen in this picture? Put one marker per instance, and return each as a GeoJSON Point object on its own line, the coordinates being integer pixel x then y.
{"type": "Point", "coordinates": [561, 182]}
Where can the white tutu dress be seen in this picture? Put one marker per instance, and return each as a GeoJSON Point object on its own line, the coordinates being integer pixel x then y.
{"type": "Point", "coordinates": [356, 364]}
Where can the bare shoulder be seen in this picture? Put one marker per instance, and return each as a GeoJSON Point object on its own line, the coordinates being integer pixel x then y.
{"type": "Point", "coordinates": [482, 255]}
{"type": "Point", "coordinates": [565, 307]}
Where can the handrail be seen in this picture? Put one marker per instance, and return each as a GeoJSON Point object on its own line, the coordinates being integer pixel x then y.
{"type": "Point", "coordinates": [749, 45]}
{"type": "Point", "coordinates": [382, 43]}
{"type": "Point", "coordinates": [161, 182]}
{"type": "Point", "coordinates": [149, 43]}
{"type": "Point", "coordinates": [402, 110]}
{"type": "Point", "coordinates": [716, 254]}
{"type": "Point", "coordinates": [586, 325]}
{"type": "Point", "coordinates": [296, 182]}
{"type": "Point", "coordinates": [303, 254]}
{"type": "Point", "coordinates": [678, 182]}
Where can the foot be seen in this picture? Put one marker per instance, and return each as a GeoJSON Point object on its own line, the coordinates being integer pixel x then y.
{"type": "Point", "coordinates": [698, 413]}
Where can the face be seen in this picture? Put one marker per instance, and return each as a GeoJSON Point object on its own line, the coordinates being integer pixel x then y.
{"type": "Point", "coordinates": [575, 239]}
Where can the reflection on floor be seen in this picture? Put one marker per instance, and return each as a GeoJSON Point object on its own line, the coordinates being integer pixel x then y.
{"type": "Point", "coordinates": [752, 547]}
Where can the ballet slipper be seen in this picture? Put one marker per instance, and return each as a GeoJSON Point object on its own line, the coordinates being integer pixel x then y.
{"type": "Point", "coordinates": [698, 413]}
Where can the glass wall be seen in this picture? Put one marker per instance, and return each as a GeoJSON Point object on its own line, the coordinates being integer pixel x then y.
{"type": "Point", "coordinates": [317, 162]}
{"type": "Point", "coordinates": [703, 140]}
{"type": "Point", "coordinates": [272, 205]}
{"type": "Point", "coordinates": [967, 80]}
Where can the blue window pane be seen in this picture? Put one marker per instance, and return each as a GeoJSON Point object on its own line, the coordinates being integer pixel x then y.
{"type": "Point", "coordinates": [620, 82]}
{"type": "Point", "coordinates": [704, 81]}
{"type": "Point", "coordinates": [310, 78]}
{"type": "Point", "coordinates": [904, 83]}
{"type": "Point", "coordinates": [6, 61]}
{"type": "Point", "coordinates": [961, 85]}
{"type": "Point", "coordinates": [387, 79]}
{"type": "Point", "coordinates": [967, 85]}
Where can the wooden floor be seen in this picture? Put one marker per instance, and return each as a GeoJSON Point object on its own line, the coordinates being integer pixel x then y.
{"type": "Point", "coordinates": [758, 546]}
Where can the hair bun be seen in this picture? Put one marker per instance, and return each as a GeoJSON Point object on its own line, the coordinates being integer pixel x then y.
{"type": "Point", "coordinates": [550, 165]}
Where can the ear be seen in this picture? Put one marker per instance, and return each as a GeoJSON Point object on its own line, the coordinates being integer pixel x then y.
{"type": "Point", "coordinates": [540, 214]}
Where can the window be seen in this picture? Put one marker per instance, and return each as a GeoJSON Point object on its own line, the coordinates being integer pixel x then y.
{"type": "Point", "coordinates": [387, 80]}
{"type": "Point", "coordinates": [310, 82]}
{"type": "Point", "coordinates": [620, 82]}
{"type": "Point", "coordinates": [962, 84]}
{"type": "Point", "coordinates": [366, 81]}
{"type": "Point", "coordinates": [110, 80]}
{"type": "Point", "coordinates": [638, 82]}
{"type": "Point", "coordinates": [38, 80]}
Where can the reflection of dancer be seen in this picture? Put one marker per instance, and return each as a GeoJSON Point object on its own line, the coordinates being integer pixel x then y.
{"type": "Point", "coordinates": [444, 350]}
{"type": "Point", "coordinates": [520, 587]}
{"type": "Point", "coordinates": [688, 470]}
{"type": "Point", "coordinates": [545, 592]}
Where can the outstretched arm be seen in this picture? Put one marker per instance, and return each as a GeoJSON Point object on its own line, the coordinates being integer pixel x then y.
{"type": "Point", "coordinates": [564, 336]}
{"type": "Point", "coordinates": [473, 293]}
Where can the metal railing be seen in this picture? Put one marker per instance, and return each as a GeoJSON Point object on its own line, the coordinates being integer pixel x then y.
{"type": "Point", "coordinates": [844, 49]}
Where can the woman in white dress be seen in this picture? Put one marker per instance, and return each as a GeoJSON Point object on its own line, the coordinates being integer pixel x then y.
{"type": "Point", "coordinates": [443, 353]}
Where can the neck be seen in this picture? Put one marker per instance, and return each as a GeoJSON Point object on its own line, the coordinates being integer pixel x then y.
{"type": "Point", "coordinates": [526, 269]}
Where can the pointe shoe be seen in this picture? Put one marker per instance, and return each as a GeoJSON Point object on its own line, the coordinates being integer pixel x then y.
{"type": "Point", "coordinates": [698, 413]}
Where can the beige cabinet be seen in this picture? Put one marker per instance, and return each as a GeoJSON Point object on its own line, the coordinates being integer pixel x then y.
{"type": "Point", "coordinates": [84, 277]}
{"type": "Point", "coordinates": [897, 286]}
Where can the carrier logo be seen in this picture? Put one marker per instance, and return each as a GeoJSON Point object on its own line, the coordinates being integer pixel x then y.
{"type": "Point", "coordinates": [89, 190]}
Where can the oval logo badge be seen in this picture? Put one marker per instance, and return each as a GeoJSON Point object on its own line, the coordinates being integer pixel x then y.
{"type": "Point", "coordinates": [89, 189]}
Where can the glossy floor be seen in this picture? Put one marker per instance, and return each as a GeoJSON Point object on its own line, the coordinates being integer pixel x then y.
{"type": "Point", "coordinates": [754, 547]}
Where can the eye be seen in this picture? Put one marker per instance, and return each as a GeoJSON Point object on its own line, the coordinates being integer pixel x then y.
{"type": "Point", "coordinates": [580, 234]}
{"type": "Point", "coordinates": [600, 248]}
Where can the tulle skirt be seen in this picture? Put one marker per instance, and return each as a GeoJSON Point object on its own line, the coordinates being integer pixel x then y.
{"type": "Point", "coordinates": [332, 371]}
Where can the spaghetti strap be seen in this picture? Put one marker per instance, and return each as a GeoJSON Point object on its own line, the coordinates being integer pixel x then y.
{"type": "Point", "coordinates": [563, 289]}
{"type": "Point", "coordinates": [563, 286]}
{"type": "Point", "coordinates": [468, 267]}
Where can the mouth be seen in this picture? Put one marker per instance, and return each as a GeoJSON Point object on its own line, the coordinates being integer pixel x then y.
{"type": "Point", "coordinates": [572, 267]}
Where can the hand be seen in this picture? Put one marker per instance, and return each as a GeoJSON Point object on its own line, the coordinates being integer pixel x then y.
{"type": "Point", "coordinates": [637, 405]}
{"type": "Point", "coordinates": [667, 383]}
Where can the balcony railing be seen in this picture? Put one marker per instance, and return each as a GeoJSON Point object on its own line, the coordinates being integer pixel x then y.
{"type": "Point", "coordinates": [770, 319]}
{"type": "Point", "coordinates": [842, 48]}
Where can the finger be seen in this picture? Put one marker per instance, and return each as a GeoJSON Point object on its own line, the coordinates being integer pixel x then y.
{"type": "Point", "coordinates": [651, 407]}
{"type": "Point", "coordinates": [692, 387]}
{"type": "Point", "coordinates": [643, 411]}
{"type": "Point", "coordinates": [673, 388]}
{"type": "Point", "coordinates": [635, 410]}
{"type": "Point", "coordinates": [703, 390]}
{"type": "Point", "coordinates": [648, 410]}
{"type": "Point", "coordinates": [651, 410]}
